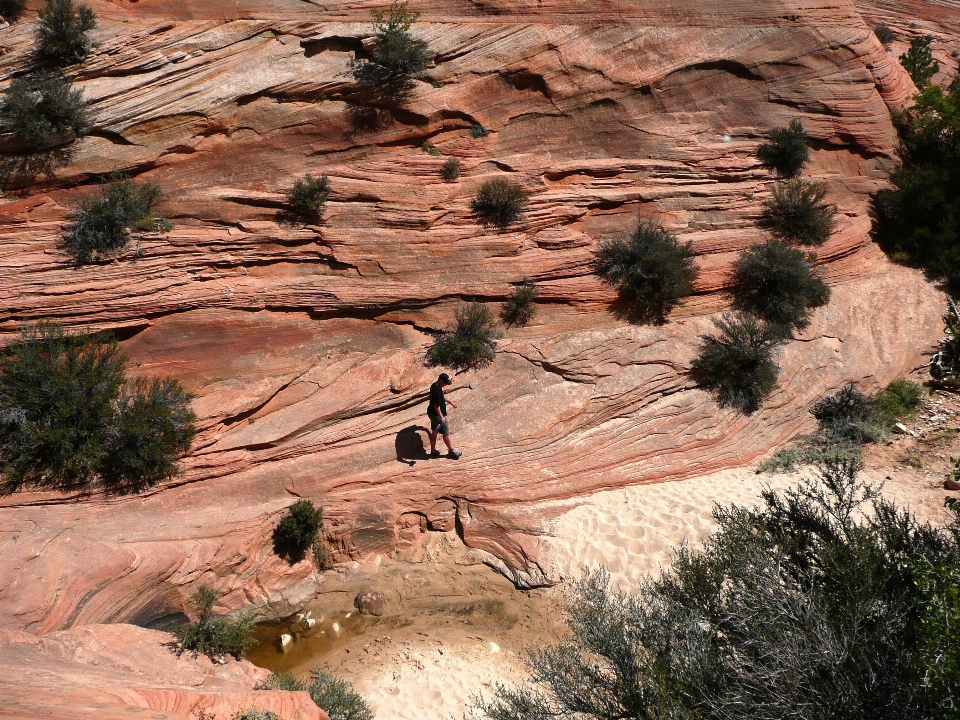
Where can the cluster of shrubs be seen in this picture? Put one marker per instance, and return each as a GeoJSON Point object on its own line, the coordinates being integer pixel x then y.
{"type": "Point", "coordinates": [298, 532]}
{"type": "Point", "coordinates": [827, 601]}
{"type": "Point", "coordinates": [334, 696]}
{"type": "Point", "coordinates": [71, 420]}
{"type": "Point", "coordinates": [215, 636]}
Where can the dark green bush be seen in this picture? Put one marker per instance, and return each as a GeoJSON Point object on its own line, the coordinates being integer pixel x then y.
{"type": "Point", "coordinates": [917, 221]}
{"type": "Point", "coordinates": [478, 131]}
{"type": "Point", "coordinates": [736, 365]}
{"type": "Point", "coordinates": [308, 196]}
{"type": "Point", "coordinates": [470, 343]}
{"type": "Point", "coordinates": [257, 715]}
{"type": "Point", "coordinates": [282, 681]}
{"type": "Point", "coordinates": [101, 225]}
{"type": "Point", "coordinates": [826, 602]}
{"type": "Point", "coordinates": [430, 149]}
{"type": "Point", "coordinates": [650, 267]}
{"type": "Point", "coordinates": [787, 151]}
{"type": "Point", "coordinates": [337, 698]}
{"type": "Point", "coordinates": [44, 111]}
{"type": "Point", "coordinates": [212, 636]}
{"type": "Point", "coordinates": [11, 10]}
{"type": "Point", "coordinates": [499, 202]}
{"type": "Point", "coordinates": [298, 531]}
{"type": "Point", "coordinates": [519, 308]}
{"type": "Point", "coordinates": [919, 63]}
{"type": "Point", "coordinates": [451, 169]}
{"type": "Point", "coordinates": [797, 213]}
{"type": "Point", "coordinates": [885, 34]}
{"type": "Point", "coordinates": [778, 284]}
{"type": "Point", "coordinates": [69, 419]}
{"type": "Point", "coordinates": [387, 77]}
{"type": "Point", "coordinates": [62, 32]}
{"type": "Point", "coordinates": [848, 417]}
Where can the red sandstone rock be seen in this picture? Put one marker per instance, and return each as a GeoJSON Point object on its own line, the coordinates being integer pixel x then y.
{"type": "Point", "coordinates": [370, 602]}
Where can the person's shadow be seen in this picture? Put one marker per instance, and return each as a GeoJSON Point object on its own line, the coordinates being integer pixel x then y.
{"type": "Point", "coordinates": [409, 445]}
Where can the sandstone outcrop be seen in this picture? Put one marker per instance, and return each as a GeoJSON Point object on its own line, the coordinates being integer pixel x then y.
{"type": "Point", "coordinates": [304, 343]}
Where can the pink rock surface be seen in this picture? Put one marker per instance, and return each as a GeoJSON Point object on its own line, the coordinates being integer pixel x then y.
{"type": "Point", "coordinates": [304, 344]}
{"type": "Point", "coordinates": [119, 671]}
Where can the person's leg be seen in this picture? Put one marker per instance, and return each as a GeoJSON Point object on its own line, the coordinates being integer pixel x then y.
{"type": "Point", "coordinates": [447, 441]}
{"type": "Point", "coordinates": [433, 439]}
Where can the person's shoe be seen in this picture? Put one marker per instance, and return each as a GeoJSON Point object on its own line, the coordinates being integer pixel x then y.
{"type": "Point", "coordinates": [455, 454]}
{"type": "Point", "coordinates": [435, 453]}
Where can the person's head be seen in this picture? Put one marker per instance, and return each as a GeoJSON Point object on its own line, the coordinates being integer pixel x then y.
{"type": "Point", "coordinates": [444, 379]}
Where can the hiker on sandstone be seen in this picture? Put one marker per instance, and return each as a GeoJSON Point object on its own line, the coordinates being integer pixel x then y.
{"type": "Point", "coordinates": [437, 413]}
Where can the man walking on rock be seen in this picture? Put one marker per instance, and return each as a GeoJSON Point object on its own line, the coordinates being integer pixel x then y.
{"type": "Point", "coordinates": [437, 412]}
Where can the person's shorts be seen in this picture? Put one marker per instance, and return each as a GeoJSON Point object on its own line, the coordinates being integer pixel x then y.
{"type": "Point", "coordinates": [442, 427]}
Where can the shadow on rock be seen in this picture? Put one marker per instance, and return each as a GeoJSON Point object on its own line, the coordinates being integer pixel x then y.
{"type": "Point", "coordinates": [17, 171]}
{"type": "Point", "coordinates": [410, 446]}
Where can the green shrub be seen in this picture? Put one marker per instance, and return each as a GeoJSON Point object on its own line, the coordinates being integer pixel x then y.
{"type": "Point", "coordinates": [257, 715]}
{"type": "Point", "coordinates": [69, 419]}
{"type": "Point", "coordinates": [787, 151]}
{"type": "Point", "coordinates": [430, 149]}
{"type": "Point", "coordinates": [62, 32]}
{"type": "Point", "coordinates": [387, 77]}
{"type": "Point", "coordinates": [519, 308]}
{"type": "Point", "coordinates": [899, 399]}
{"type": "Point", "coordinates": [848, 417]}
{"type": "Point", "coordinates": [826, 601]}
{"type": "Point", "coordinates": [215, 637]}
{"type": "Point", "coordinates": [478, 131]}
{"type": "Point", "coordinates": [797, 213]}
{"type": "Point", "coordinates": [917, 221]}
{"type": "Point", "coordinates": [945, 365]}
{"type": "Point", "coordinates": [337, 698]}
{"type": "Point", "coordinates": [650, 267]}
{"type": "Point", "coordinates": [499, 202]}
{"type": "Point", "coordinates": [885, 34]}
{"type": "Point", "coordinates": [778, 284]}
{"type": "Point", "coordinates": [308, 196]}
{"type": "Point", "coordinates": [919, 63]}
{"type": "Point", "coordinates": [11, 10]}
{"type": "Point", "coordinates": [101, 225]}
{"type": "Point", "coordinates": [298, 531]}
{"type": "Point", "coordinates": [282, 681]}
{"type": "Point", "coordinates": [736, 365]}
{"type": "Point", "coordinates": [451, 169]}
{"type": "Point", "coordinates": [470, 343]}
{"type": "Point", "coordinates": [44, 111]}
{"type": "Point", "coordinates": [811, 451]}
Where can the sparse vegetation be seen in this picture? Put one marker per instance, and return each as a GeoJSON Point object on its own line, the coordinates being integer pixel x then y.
{"type": "Point", "coordinates": [308, 196]}
{"type": "Point", "coordinates": [337, 698]}
{"type": "Point", "coordinates": [945, 365]}
{"type": "Point", "coordinates": [430, 149]}
{"type": "Point", "coordinates": [778, 284]}
{"type": "Point", "coordinates": [470, 343]}
{"type": "Point", "coordinates": [257, 715]}
{"type": "Point", "coordinates": [797, 213]}
{"type": "Point", "coordinates": [787, 152]}
{"type": "Point", "coordinates": [101, 224]}
{"type": "Point", "coordinates": [11, 10]}
{"type": "Point", "coordinates": [650, 267]}
{"type": "Point", "coordinates": [736, 364]}
{"type": "Point", "coordinates": [70, 420]}
{"type": "Point", "coordinates": [919, 63]}
{"type": "Point", "coordinates": [451, 169]}
{"type": "Point", "coordinates": [215, 636]}
{"type": "Point", "coordinates": [917, 221]}
{"type": "Point", "coordinates": [827, 601]}
{"type": "Point", "coordinates": [885, 34]}
{"type": "Point", "coordinates": [519, 308]}
{"type": "Point", "coordinates": [478, 131]}
{"type": "Point", "coordinates": [62, 32]}
{"type": "Point", "coordinates": [282, 681]}
{"type": "Point", "coordinates": [44, 111]}
{"type": "Point", "coordinates": [387, 76]}
{"type": "Point", "coordinates": [298, 531]}
{"type": "Point", "coordinates": [499, 202]}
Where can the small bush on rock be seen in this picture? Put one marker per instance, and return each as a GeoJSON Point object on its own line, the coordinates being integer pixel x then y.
{"type": "Point", "coordinates": [478, 131]}
{"type": "Point", "coordinates": [736, 364]}
{"type": "Point", "coordinates": [337, 698]}
{"type": "Point", "coordinates": [472, 342]}
{"type": "Point", "coordinates": [499, 202]}
{"type": "Point", "coordinates": [282, 681]}
{"type": "Point", "coordinates": [101, 225]}
{"type": "Point", "coordinates": [387, 77]}
{"type": "Point", "coordinates": [11, 10]}
{"type": "Point", "coordinates": [797, 213]}
{"type": "Point", "coordinates": [69, 419]}
{"type": "Point", "coordinates": [298, 531]}
{"type": "Point", "coordinates": [885, 34]}
{"type": "Point", "coordinates": [919, 63]}
{"type": "Point", "coordinates": [257, 715]}
{"type": "Point", "coordinates": [651, 267]}
{"type": "Point", "coordinates": [519, 309]}
{"type": "Point", "coordinates": [787, 151]}
{"type": "Point", "coordinates": [44, 111]}
{"type": "Point", "coordinates": [62, 32]}
{"type": "Point", "coordinates": [451, 169]}
{"type": "Point", "coordinates": [308, 196]}
{"type": "Point", "coordinates": [778, 284]}
{"type": "Point", "coordinates": [215, 637]}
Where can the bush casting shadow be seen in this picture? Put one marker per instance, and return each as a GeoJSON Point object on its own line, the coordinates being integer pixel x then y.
{"type": "Point", "coordinates": [298, 531]}
{"type": "Point", "coordinates": [796, 213]}
{"type": "Point", "coordinates": [787, 151]}
{"type": "Point", "coordinates": [213, 636]}
{"type": "Point", "coordinates": [520, 308]}
{"type": "Point", "coordinates": [62, 32]}
{"type": "Point", "coordinates": [43, 111]}
{"type": "Point", "coordinates": [499, 202]}
{"type": "Point", "coordinates": [470, 343]}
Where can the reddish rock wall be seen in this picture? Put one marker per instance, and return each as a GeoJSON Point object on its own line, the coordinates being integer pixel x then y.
{"type": "Point", "coordinates": [304, 344]}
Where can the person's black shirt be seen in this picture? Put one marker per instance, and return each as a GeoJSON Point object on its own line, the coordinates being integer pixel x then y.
{"type": "Point", "coordinates": [436, 398]}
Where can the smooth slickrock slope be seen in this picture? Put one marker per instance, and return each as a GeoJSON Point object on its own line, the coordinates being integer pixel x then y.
{"type": "Point", "coordinates": [304, 344]}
